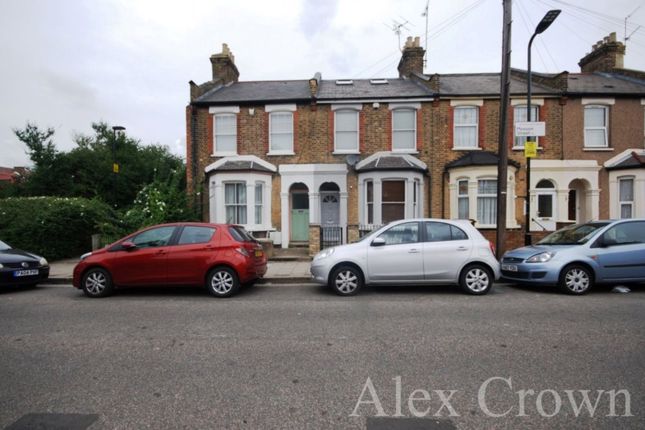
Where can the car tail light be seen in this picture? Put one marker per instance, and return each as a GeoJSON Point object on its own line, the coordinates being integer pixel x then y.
{"type": "Point", "coordinates": [243, 251]}
{"type": "Point", "coordinates": [492, 247]}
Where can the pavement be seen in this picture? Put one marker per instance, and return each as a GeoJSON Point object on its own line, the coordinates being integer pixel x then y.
{"type": "Point", "coordinates": [278, 272]}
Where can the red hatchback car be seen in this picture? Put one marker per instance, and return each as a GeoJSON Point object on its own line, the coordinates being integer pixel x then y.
{"type": "Point", "coordinates": [219, 256]}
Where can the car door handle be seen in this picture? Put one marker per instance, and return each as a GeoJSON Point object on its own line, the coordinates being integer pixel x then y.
{"type": "Point", "coordinates": [462, 248]}
{"type": "Point", "coordinates": [413, 251]}
{"type": "Point", "coordinates": [161, 251]}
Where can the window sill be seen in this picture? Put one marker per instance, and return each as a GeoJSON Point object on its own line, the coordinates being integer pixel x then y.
{"type": "Point", "coordinates": [598, 149]}
{"type": "Point", "coordinates": [272, 153]}
{"type": "Point", "coordinates": [346, 153]}
{"type": "Point", "coordinates": [467, 149]}
{"type": "Point", "coordinates": [223, 154]}
{"type": "Point", "coordinates": [521, 148]}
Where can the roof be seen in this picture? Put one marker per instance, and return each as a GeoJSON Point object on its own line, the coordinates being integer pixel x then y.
{"type": "Point", "coordinates": [478, 158]}
{"type": "Point", "coordinates": [236, 163]}
{"type": "Point", "coordinates": [605, 83]}
{"type": "Point", "coordinates": [386, 160]}
{"type": "Point", "coordinates": [485, 84]}
{"type": "Point", "coordinates": [250, 91]}
{"type": "Point", "coordinates": [451, 85]}
{"type": "Point", "coordinates": [631, 160]}
{"type": "Point", "coordinates": [365, 89]}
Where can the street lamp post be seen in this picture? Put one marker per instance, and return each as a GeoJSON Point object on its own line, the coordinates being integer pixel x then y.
{"type": "Point", "coordinates": [546, 21]}
{"type": "Point", "coordinates": [117, 129]}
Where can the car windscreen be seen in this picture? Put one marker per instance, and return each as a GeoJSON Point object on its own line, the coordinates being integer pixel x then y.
{"type": "Point", "coordinates": [240, 234]}
{"type": "Point", "coordinates": [573, 235]}
{"type": "Point", "coordinates": [4, 246]}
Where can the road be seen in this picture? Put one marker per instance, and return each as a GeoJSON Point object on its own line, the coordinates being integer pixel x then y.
{"type": "Point", "coordinates": [296, 356]}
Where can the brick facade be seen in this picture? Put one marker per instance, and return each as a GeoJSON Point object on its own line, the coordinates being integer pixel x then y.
{"type": "Point", "coordinates": [313, 136]}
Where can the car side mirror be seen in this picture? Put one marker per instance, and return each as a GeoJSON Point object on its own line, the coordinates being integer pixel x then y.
{"type": "Point", "coordinates": [379, 241]}
{"type": "Point", "coordinates": [127, 245]}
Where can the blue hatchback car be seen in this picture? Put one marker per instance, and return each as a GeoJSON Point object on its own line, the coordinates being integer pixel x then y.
{"type": "Point", "coordinates": [577, 257]}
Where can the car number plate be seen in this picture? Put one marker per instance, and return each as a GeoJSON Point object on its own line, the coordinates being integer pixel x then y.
{"type": "Point", "coordinates": [509, 267]}
{"type": "Point", "coordinates": [30, 272]}
{"type": "Point", "coordinates": [258, 253]}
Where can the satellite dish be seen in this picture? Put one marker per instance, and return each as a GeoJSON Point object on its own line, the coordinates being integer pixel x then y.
{"type": "Point", "coordinates": [352, 159]}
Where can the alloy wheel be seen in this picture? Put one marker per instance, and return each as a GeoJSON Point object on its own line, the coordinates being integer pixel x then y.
{"type": "Point", "coordinates": [477, 280]}
{"type": "Point", "coordinates": [346, 281]}
{"type": "Point", "coordinates": [222, 282]}
{"type": "Point", "coordinates": [96, 282]}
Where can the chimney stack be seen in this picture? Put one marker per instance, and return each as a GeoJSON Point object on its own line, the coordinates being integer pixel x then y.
{"type": "Point", "coordinates": [411, 58]}
{"type": "Point", "coordinates": [224, 66]}
{"type": "Point", "coordinates": [606, 55]}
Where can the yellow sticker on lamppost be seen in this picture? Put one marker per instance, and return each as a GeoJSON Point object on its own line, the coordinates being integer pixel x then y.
{"type": "Point", "coordinates": [530, 149]}
{"type": "Point", "coordinates": [115, 168]}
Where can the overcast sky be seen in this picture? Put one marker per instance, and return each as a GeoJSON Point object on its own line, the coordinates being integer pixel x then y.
{"type": "Point", "coordinates": [67, 63]}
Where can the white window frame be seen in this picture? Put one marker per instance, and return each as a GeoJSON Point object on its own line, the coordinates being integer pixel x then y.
{"type": "Point", "coordinates": [456, 126]}
{"type": "Point", "coordinates": [398, 109]}
{"type": "Point", "coordinates": [621, 202]}
{"type": "Point", "coordinates": [217, 197]}
{"type": "Point", "coordinates": [257, 220]}
{"type": "Point", "coordinates": [478, 196]}
{"type": "Point", "coordinates": [237, 204]}
{"type": "Point", "coordinates": [461, 196]}
{"type": "Point", "coordinates": [522, 139]}
{"type": "Point", "coordinates": [281, 109]}
{"type": "Point", "coordinates": [369, 183]}
{"type": "Point", "coordinates": [377, 178]}
{"type": "Point", "coordinates": [356, 149]}
{"type": "Point", "coordinates": [216, 111]}
{"type": "Point", "coordinates": [604, 128]}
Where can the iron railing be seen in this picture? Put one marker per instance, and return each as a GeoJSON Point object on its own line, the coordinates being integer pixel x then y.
{"type": "Point", "coordinates": [330, 235]}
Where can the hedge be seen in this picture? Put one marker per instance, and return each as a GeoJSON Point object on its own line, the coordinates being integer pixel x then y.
{"type": "Point", "coordinates": [54, 227]}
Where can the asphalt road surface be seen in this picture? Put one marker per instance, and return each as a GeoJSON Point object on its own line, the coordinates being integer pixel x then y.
{"type": "Point", "coordinates": [297, 356]}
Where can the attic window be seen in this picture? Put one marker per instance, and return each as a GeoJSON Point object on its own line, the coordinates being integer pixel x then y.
{"type": "Point", "coordinates": [344, 82]}
{"type": "Point", "coordinates": [378, 81]}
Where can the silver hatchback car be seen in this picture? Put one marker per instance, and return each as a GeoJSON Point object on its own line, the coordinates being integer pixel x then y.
{"type": "Point", "coordinates": [411, 252]}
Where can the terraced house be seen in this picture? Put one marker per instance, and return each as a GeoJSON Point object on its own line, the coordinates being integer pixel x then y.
{"type": "Point", "coordinates": [295, 159]}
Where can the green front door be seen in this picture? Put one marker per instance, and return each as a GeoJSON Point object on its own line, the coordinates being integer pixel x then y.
{"type": "Point", "coordinates": [300, 217]}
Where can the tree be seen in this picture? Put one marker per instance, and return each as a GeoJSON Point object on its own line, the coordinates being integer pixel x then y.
{"type": "Point", "coordinates": [86, 170]}
{"type": "Point", "coordinates": [40, 146]}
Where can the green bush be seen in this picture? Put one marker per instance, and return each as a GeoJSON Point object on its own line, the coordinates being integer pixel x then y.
{"type": "Point", "coordinates": [55, 227]}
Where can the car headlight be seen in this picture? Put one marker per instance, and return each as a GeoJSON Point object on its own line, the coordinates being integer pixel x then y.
{"type": "Point", "coordinates": [43, 261]}
{"type": "Point", "coordinates": [84, 256]}
{"type": "Point", "coordinates": [1, 266]}
{"type": "Point", "coordinates": [541, 258]}
{"type": "Point", "coordinates": [324, 254]}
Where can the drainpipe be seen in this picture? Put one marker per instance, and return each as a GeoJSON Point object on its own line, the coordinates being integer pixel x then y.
{"type": "Point", "coordinates": [444, 175]}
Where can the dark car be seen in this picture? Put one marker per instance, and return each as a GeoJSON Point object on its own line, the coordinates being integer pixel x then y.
{"type": "Point", "coordinates": [19, 267]}
{"type": "Point", "coordinates": [220, 257]}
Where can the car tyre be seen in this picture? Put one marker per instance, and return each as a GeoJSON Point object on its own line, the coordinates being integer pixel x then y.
{"type": "Point", "coordinates": [97, 283]}
{"type": "Point", "coordinates": [222, 282]}
{"type": "Point", "coordinates": [346, 281]}
{"type": "Point", "coordinates": [575, 279]}
{"type": "Point", "coordinates": [476, 279]}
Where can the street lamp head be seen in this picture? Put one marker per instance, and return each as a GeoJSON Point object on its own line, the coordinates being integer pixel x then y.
{"type": "Point", "coordinates": [118, 128]}
{"type": "Point", "coordinates": [547, 20]}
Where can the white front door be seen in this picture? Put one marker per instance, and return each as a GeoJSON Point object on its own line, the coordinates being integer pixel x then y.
{"type": "Point", "coordinates": [545, 210]}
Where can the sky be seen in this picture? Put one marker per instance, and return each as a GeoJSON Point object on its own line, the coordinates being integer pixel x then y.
{"type": "Point", "coordinates": [68, 63]}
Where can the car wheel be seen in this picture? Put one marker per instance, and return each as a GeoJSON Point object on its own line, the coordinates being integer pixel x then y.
{"type": "Point", "coordinates": [346, 281]}
{"type": "Point", "coordinates": [97, 282]}
{"type": "Point", "coordinates": [476, 279]}
{"type": "Point", "coordinates": [575, 279]}
{"type": "Point", "coordinates": [222, 282]}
